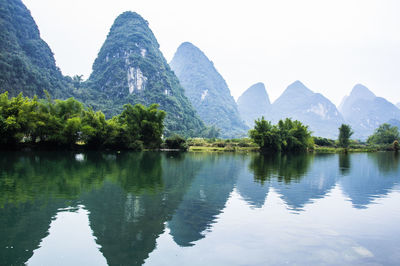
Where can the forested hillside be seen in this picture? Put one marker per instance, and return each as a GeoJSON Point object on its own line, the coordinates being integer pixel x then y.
{"type": "Point", "coordinates": [130, 68]}
{"type": "Point", "coordinates": [26, 62]}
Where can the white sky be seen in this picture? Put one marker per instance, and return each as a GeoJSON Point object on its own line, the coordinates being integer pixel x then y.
{"type": "Point", "coordinates": [328, 45]}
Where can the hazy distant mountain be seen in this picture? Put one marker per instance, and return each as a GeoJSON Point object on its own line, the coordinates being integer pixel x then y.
{"type": "Point", "coordinates": [207, 90]}
{"type": "Point", "coordinates": [394, 122]}
{"type": "Point", "coordinates": [365, 112]}
{"type": "Point", "coordinates": [313, 109]}
{"type": "Point", "coordinates": [26, 62]}
{"type": "Point", "coordinates": [253, 103]}
{"type": "Point", "coordinates": [130, 68]}
{"type": "Point", "coordinates": [398, 105]}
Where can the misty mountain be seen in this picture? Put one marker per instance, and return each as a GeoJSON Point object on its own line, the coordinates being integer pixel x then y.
{"type": "Point", "coordinates": [26, 62]}
{"type": "Point", "coordinates": [398, 105]}
{"type": "Point", "coordinates": [207, 90]}
{"type": "Point", "coordinates": [253, 103]}
{"type": "Point", "coordinates": [365, 112]}
{"type": "Point", "coordinates": [130, 68]}
{"type": "Point", "coordinates": [394, 122]}
{"type": "Point", "coordinates": [312, 109]}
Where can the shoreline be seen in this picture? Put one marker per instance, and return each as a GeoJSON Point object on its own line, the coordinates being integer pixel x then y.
{"type": "Point", "coordinates": [211, 149]}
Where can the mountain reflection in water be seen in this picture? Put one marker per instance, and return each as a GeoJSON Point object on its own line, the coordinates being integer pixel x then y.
{"type": "Point", "coordinates": [132, 199]}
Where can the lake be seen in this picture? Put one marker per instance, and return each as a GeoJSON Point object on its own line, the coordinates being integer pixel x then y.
{"type": "Point", "coordinates": [66, 208]}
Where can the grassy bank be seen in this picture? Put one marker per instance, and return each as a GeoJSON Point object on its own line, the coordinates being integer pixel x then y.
{"type": "Point", "coordinates": [221, 145]}
{"type": "Point", "coordinates": [247, 145]}
{"type": "Point", "coordinates": [257, 149]}
{"type": "Point", "coordinates": [341, 150]}
{"type": "Point", "coordinates": [354, 148]}
{"type": "Point", "coordinates": [225, 149]}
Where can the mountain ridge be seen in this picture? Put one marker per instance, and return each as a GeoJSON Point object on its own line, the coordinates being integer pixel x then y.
{"type": "Point", "coordinates": [27, 63]}
{"type": "Point", "coordinates": [207, 90]}
{"type": "Point", "coordinates": [313, 109]}
{"type": "Point", "coordinates": [130, 68]}
{"type": "Point", "coordinates": [253, 103]}
{"type": "Point", "coordinates": [365, 112]}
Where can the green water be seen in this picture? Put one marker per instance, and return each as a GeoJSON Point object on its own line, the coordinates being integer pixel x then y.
{"type": "Point", "coordinates": [199, 209]}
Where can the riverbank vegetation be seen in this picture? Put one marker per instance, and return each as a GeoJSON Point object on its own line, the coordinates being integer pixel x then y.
{"type": "Point", "coordinates": [53, 124]}
{"type": "Point", "coordinates": [290, 136]}
{"type": "Point", "coordinates": [33, 123]}
{"type": "Point", "coordinates": [385, 138]}
{"type": "Point", "coordinates": [222, 145]}
{"type": "Point", "coordinates": [286, 136]}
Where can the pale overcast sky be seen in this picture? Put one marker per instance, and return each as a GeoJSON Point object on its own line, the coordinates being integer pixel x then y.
{"type": "Point", "coordinates": [328, 45]}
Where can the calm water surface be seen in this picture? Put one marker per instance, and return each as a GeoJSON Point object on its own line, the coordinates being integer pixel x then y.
{"type": "Point", "coordinates": [199, 209]}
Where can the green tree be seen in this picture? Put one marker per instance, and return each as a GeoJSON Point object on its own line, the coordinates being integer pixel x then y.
{"type": "Point", "coordinates": [294, 135]}
{"type": "Point", "coordinates": [384, 134]}
{"type": "Point", "coordinates": [176, 142]}
{"type": "Point", "coordinates": [265, 135]}
{"type": "Point", "coordinates": [95, 129]}
{"type": "Point", "coordinates": [65, 122]}
{"type": "Point", "coordinates": [62, 119]}
{"type": "Point", "coordinates": [144, 124]}
{"type": "Point", "coordinates": [287, 136]}
{"type": "Point", "coordinates": [345, 133]}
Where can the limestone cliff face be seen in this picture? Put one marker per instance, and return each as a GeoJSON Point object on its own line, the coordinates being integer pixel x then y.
{"type": "Point", "coordinates": [136, 79]}
{"type": "Point", "coordinates": [130, 68]}
{"type": "Point", "coordinates": [123, 66]}
{"type": "Point", "coordinates": [207, 91]}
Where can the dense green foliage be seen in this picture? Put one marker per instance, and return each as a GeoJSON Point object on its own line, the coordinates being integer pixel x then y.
{"type": "Point", "coordinates": [286, 136]}
{"type": "Point", "coordinates": [384, 134]}
{"type": "Point", "coordinates": [130, 68]}
{"type": "Point", "coordinates": [26, 62]}
{"type": "Point", "coordinates": [266, 135]}
{"type": "Point", "coordinates": [176, 142]}
{"type": "Point", "coordinates": [324, 142]}
{"type": "Point", "coordinates": [345, 133]}
{"type": "Point", "coordinates": [66, 122]}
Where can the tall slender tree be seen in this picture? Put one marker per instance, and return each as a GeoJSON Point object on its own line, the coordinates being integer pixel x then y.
{"type": "Point", "coordinates": [345, 133]}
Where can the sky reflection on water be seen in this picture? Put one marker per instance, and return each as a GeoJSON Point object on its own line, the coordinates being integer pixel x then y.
{"type": "Point", "coordinates": [214, 209]}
